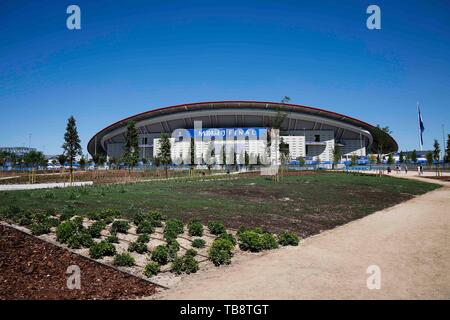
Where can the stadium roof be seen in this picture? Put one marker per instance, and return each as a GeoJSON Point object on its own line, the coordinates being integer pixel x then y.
{"type": "Point", "coordinates": [379, 137]}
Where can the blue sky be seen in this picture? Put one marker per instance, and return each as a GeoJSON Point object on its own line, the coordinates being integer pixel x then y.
{"type": "Point", "coordinates": [132, 56]}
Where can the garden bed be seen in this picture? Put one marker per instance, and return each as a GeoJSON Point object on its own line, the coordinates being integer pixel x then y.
{"type": "Point", "coordinates": [34, 269]}
{"type": "Point", "coordinates": [150, 247]}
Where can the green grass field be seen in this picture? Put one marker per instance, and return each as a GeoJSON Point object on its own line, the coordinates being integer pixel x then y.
{"type": "Point", "coordinates": [306, 204]}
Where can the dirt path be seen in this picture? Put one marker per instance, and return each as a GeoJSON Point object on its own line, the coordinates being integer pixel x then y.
{"type": "Point", "coordinates": [410, 243]}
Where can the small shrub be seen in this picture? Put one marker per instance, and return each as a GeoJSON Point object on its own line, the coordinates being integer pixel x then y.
{"type": "Point", "coordinates": [80, 239]}
{"type": "Point", "coordinates": [173, 248]}
{"type": "Point", "coordinates": [65, 230]}
{"type": "Point", "coordinates": [151, 269]}
{"type": "Point", "coordinates": [257, 240]}
{"type": "Point", "coordinates": [143, 238]}
{"type": "Point", "coordinates": [120, 226]}
{"type": "Point", "coordinates": [67, 212]}
{"type": "Point", "coordinates": [39, 228]}
{"type": "Point", "coordinates": [268, 241]}
{"type": "Point", "coordinates": [190, 265]}
{"type": "Point", "coordinates": [175, 225]}
{"type": "Point", "coordinates": [101, 249]}
{"type": "Point", "coordinates": [220, 252]}
{"type": "Point", "coordinates": [241, 230]}
{"type": "Point", "coordinates": [250, 241]}
{"type": "Point", "coordinates": [195, 228]}
{"type": "Point", "coordinates": [191, 252]}
{"type": "Point", "coordinates": [112, 238]}
{"type": "Point", "coordinates": [186, 264]}
{"type": "Point", "coordinates": [138, 247]}
{"type": "Point", "coordinates": [177, 265]}
{"type": "Point", "coordinates": [156, 216]}
{"type": "Point", "coordinates": [287, 238]}
{"type": "Point", "coordinates": [227, 236]}
{"type": "Point", "coordinates": [170, 235]}
{"type": "Point", "coordinates": [145, 226]}
{"type": "Point", "coordinates": [198, 243]}
{"type": "Point", "coordinates": [160, 255]}
{"type": "Point", "coordinates": [216, 228]}
{"type": "Point", "coordinates": [123, 260]}
{"type": "Point", "coordinates": [95, 230]}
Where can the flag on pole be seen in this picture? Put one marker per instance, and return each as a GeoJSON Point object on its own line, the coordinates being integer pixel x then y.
{"type": "Point", "coordinates": [421, 127]}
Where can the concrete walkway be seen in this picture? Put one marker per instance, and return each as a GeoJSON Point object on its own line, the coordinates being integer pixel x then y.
{"type": "Point", "coordinates": [15, 187]}
{"type": "Point", "coordinates": [409, 242]}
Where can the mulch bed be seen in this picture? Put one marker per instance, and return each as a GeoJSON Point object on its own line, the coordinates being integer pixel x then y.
{"type": "Point", "coordinates": [31, 268]}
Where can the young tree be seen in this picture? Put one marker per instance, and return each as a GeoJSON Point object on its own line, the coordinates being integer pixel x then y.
{"type": "Point", "coordinates": [164, 154]}
{"type": "Point", "coordinates": [336, 155]}
{"type": "Point", "coordinates": [34, 158]}
{"type": "Point", "coordinates": [131, 147]}
{"type": "Point", "coordinates": [284, 154]}
{"type": "Point", "coordinates": [82, 162]}
{"type": "Point", "coordinates": [62, 159]}
{"type": "Point", "coordinates": [99, 159]}
{"type": "Point", "coordinates": [414, 156]}
{"type": "Point", "coordinates": [436, 155]}
{"type": "Point", "coordinates": [353, 159]}
{"type": "Point", "coordinates": [71, 146]}
{"type": "Point", "coordinates": [390, 159]}
{"type": "Point", "coordinates": [429, 157]}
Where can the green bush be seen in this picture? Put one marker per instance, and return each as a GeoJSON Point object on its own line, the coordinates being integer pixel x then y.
{"type": "Point", "coordinates": [120, 226]}
{"type": "Point", "coordinates": [190, 265]}
{"type": "Point", "coordinates": [143, 238]}
{"type": "Point", "coordinates": [170, 235]}
{"type": "Point", "coordinates": [216, 228]}
{"type": "Point", "coordinates": [145, 226]}
{"type": "Point", "coordinates": [177, 265]}
{"type": "Point", "coordinates": [95, 230]}
{"type": "Point", "coordinates": [151, 269]}
{"type": "Point", "coordinates": [160, 255]}
{"type": "Point", "coordinates": [186, 264]}
{"type": "Point", "coordinates": [154, 217]}
{"type": "Point", "coordinates": [175, 225]}
{"type": "Point", "coordinates": [190, 252]}
{"type": "Point", "coordinates": [173, 247]}
{"type": "Point", "coordinates": [195, 228]}
{"type": "Point", "coordinates": [268, 241]}
{"type": "Point", "coordinates": [220, 252]}
{"type": "Point", "coordinates": [65, 230]}
{"type": "Point", "coordinates": [112, 238]}
{"type": "Point", "coordinates": [67, 212]}
{"type": "Point", "coordinates": [101, 249]}
{"type": "Point", "coordinates": [287, 238]}
{"type": "Point", "coordinates": [198, 243]}
{"type": "Point", "coordinates": [250, 241]}
{"type": "Point", "coordinates": [39, 228]}
{"type": "Point", "coordinates": [257, 240]}
{"type": "Point", "coordinates": [123, 260]}
{"type": "Point", "coordinates": [79, 240]}
{"type": "Point", "coordinates": [139, 247]}
{"type": "Point", "coordinates": [227, 236]}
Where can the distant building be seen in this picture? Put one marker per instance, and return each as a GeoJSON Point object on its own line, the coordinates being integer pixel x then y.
{"type": "Point", "coordinates": [19, 151]}
{"type": "Point", "coordinates": [311, 133]}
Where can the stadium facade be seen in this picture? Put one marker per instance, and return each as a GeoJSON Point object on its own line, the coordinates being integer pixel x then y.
{"type": "Point", "coordinates": [311, 133]}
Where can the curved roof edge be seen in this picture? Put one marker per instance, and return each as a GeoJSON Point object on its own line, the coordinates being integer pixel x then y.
{"type": "Point", "coordinates": [390, 145]}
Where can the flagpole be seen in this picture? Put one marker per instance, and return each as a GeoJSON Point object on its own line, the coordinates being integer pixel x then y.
{"type": "Point", "coordinates": [418, 127]}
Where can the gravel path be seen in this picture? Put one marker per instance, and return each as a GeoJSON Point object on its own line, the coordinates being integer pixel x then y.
{"type": "Point", "coordinates": [409, 242]}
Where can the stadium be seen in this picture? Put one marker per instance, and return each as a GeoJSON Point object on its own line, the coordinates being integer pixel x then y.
{"type": "Point", "coordinates": [310, 132]}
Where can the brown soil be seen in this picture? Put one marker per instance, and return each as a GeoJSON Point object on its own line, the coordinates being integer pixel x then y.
{"type": "Point", "coordinates": [33, 269]}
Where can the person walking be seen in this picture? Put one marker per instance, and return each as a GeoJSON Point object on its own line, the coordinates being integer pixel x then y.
{"type": "Point", "coordinates": [406, 169]}
{"type": "Point", "coordinates": [418, 170]}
